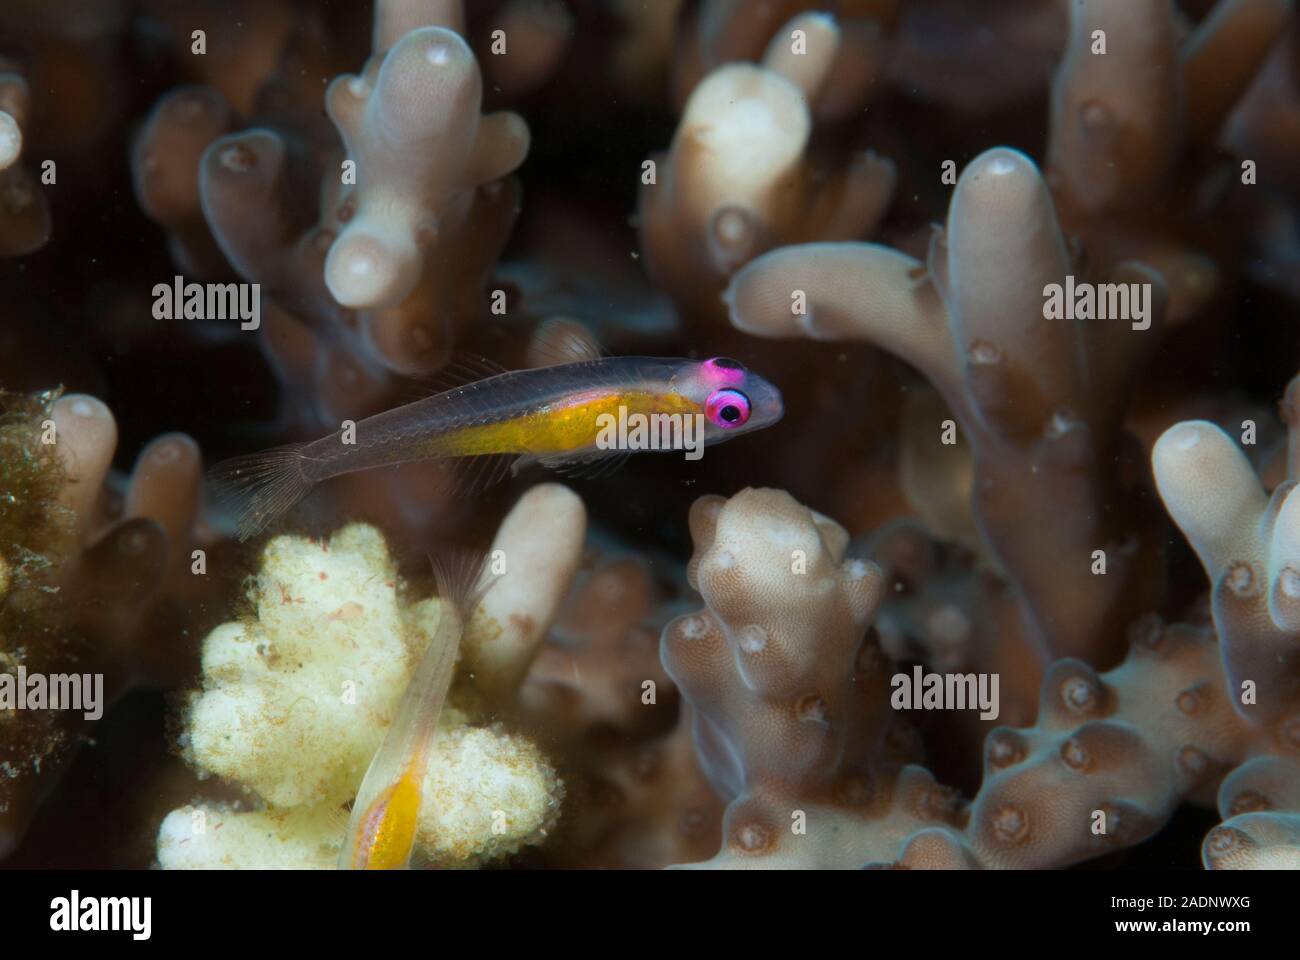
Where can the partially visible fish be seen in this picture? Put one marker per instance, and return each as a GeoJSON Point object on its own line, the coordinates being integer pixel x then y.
{"type": "Point", "coordinates": [558, 416]}
{"type": "Point", "coordinates": [385, 815]}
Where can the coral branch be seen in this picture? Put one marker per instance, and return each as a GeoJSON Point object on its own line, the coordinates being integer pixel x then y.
{"type": "Point", "coordinates": [1249, 545]}
{"type": "Point", "coordinates": [24, 211]}
{"type": "Point", "coordinates": [1036, 397]}
{"type": "Point", "coordinates": [165, 164]}
{"type": "Point", "coordinates": [1116, 114]}
{"type": "Point", "coordinates": [410, 125]}
{"type": "Point", "coordinates": [736, 180]}
{"type": "Point", "coordinates": [543, 535]}
{"type": "Point", "coordinates": [791, 705]}
{"type": "Point", "coordinates": [1260, 806]}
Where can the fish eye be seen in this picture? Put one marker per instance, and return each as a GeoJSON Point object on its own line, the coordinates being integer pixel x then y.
{"type": "Point", "coordinates": [727, 408]}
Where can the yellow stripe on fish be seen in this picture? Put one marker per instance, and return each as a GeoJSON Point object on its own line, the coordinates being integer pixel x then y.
{"type": "Point", "coordinates": [572, 424]}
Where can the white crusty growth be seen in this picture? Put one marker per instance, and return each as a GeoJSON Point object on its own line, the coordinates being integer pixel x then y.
{"type": "Point", "coordinates": [297, 696]}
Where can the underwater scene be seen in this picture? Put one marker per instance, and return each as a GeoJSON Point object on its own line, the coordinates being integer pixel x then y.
{"type": "Point", "coordinates": [627, 434]}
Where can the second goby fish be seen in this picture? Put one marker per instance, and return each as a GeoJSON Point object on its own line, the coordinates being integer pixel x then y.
{"type": "Point", "coordinates": [558, 416]}
{"type": "Point", "coordinates": [385, 816]}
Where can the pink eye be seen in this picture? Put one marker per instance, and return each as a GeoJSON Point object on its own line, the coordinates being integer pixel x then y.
{"type": "Point", "coordinates": [727, 408]}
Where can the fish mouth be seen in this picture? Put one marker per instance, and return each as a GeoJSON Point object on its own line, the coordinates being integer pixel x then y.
{"type": "Point", "coordinates": [775, 410]}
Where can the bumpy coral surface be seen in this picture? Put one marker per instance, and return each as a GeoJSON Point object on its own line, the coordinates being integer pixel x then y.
{"type": "Point", "coordinates": [296, 699]}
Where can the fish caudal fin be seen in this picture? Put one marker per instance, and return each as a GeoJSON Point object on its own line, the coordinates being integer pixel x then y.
{"type": "Point", "coordinates": [261, 487]}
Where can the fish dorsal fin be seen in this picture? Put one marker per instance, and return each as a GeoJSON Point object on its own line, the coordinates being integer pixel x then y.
{"type": "Point", "coordinates": [561, 340]}
{"type": "Point", "coordinates": [461, 369]}
{"type": "Point", "coordinates": [466, 368]}
{"type": "Point", "coordinates": [476, 367]}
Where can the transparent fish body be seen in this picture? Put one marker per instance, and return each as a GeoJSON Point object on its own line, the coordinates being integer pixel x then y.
{"type": "Point", "coordinates": [550, 415]}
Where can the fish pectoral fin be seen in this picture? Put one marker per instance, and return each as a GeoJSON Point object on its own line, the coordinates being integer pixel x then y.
{"type": "Point", "coordinates": [474, 474]}
{"type": "Point", "coordinates": [338, 818]}
{"type": "Point", "coordinates": [421, 859]}
{"type": "Point", "coordinates": [601, 463]}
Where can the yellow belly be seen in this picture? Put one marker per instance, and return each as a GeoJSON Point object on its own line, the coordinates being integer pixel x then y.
{"type": "Point", "coordinates": [388, 831]}
{"type": "Point", "coordinates": [560, 429]}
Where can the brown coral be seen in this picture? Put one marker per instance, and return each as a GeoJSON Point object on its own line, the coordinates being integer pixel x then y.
{"type": "Point", "coordinates": [1249, 545]}
{"type": "Point", "coordinates": [792, 720]}
{"type": "Point", "coordinates": [736, 180]}
{"type": "Point", "coordinates": [1035, 397]}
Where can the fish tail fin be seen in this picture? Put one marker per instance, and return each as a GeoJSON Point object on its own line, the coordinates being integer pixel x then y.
{"type": "Point", "coordinates": [261, 487]}
{"type": "Point", "coordinates": [464, 579]}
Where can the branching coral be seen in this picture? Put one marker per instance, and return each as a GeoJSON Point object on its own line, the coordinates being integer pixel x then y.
{"type": "Point", "coordinates": [1131, 90]}
{"type": "Point", "coordinates": [1110, 757]}
{"type": "Point", "coordinates": [724, 31]}
{"type": "Point", "coordinates": [1249, 545]}
{"type": "Point", "coordinates": [792, 726]}
{"type": "Point", "coordinates": [1260, 806]}
{"type": "Point", "coordinates": [1039, 400]}
{"type": "Point", "coordinates": [24, 210]}
{"type": "Point", "coordinates": [412, 129]}
{"type": "Point", "coordinates": [792, 718]}
{"type": "Point", "coordinates": [420, 173]}
{"type": "Point", "coordinates": [165, 163]}
{"type": "Point", "coordinates": [736, 180]}
{"type": "Point", "coordinates": [634, 793]}
{"type": "Point", "coordinates": [364, 165]}
{"type": "Point", "coordinates": [1135, 105]}
{"type": "Point", "coordinates": [380, 273]}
